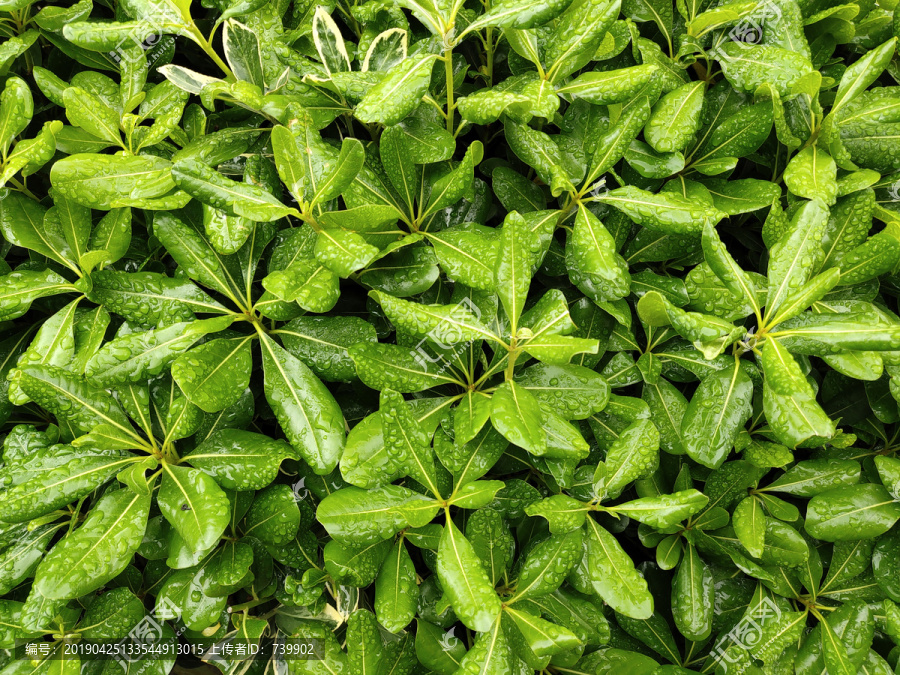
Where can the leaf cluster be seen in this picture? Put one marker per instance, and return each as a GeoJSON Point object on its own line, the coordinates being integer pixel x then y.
{"type": "Point", "coordinates": [451, 336]}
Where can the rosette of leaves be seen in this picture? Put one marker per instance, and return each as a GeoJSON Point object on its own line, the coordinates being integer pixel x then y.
{"type": "Point", "coordinates": [452, 337]}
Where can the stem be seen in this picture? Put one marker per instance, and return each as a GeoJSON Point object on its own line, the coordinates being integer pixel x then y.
{"type": "Point", "coordinates": [448, 73]}
{"type": "Point", "coordinates": [513, 355]}
{"type": "Point", "coordinates": [247, 605]}
{"type": "Point", "coordinates": [489, 48]}
{"type": "Point", "coordinates": [24, 190]}
{"type": "Point", "coordinates": [204, 44]}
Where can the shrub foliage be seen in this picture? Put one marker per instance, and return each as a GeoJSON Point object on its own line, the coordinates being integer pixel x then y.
{"type": "Point", "coordinates": [451, 337]}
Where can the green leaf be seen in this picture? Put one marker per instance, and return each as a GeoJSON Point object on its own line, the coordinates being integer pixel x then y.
{"type": "Point", "coordinates": [194, 504]}
{"type": "Point", "coordinates": [442, 324]}
{"type": "Point", "coordinates": [465, 582]}
{"type": "Point", "coordinates": [305, 409]}
{"type": "Point", "coordinates": [396, 592]}
{"type": "Point", "coordinates": [181, 235]}
{"type": "Point", "coordinates": [512, 270]}
{"type": "Point", "coordinates": [467, 255]}
{"type": "Point", "coordinates": [618, 141]}
{"type": "Point", "coordinates": [814, 476]}
{"type": "Point", "coordinates": [240, 460]}
{"type": "Point", "coordinates": [750, 525]}
{"type": "Point", "coordinates": [852, 512]}
{"type": "Point", "coordinates": [22, 224]}
{"type": "Point", "coordinates": [693, 597]}
{"type": "Point", "coordinates": [747, 66]}
{"type": "Point", "coordinates": [665, 212]}
{"type": "Point", "coordinates": [61, 482]}
{"type": "Point", "coordinates": [456, 184]}
{"type": "Point", "coordinates": [613, 576]}
{"type": "Point", "coordinates": [675, 118]}
{"type": "Point", "coordinates": [355, 516]}
{"type": "Point", "coordinates": [476, 494]}
{"type": "Point", "coordinates": [862, 73]}
{"type": "Point", "coordinates": [516, 414]}
{"type": "Point", "coordinates": [812, 174]}
{"type": "Point", "coordinates": [403, 369]}
{"type": "Point", "coordinates": [405, 440]}
{"type": "Point", "coordinates": [559, 349]}
{"type": "Point", "coordinates": [150, 298]}
{"type": "Point", "coordinates": [71, 399]}
{"type": "Point", "coordinates": [54, 344]}
{"type": "Point", "coordinates": [519, 14]}
{"type": "Point", "coordinates": [634, 454]}
{"type": "Point", "coordinates": [889, 470]}
{"type": "Point", "coordinates": [226, 233]}
{"type": "Point", "coordinates": [490, 653]}
{"type": "Point", "coordinates": [112, 236]}
{"type": "Point", "coordinates": [365, 648]}
{"type": "Point", "coordinates": [571, 391]}
{"type": "Point", "coordinates": [548, 564]}
{"type": "Point", "coordinates": [716, 414]}
{"type": "Point", "coordinates": [441, 654]}
{"type": "Point", "coordinates": [742, 132]}
{"type": "Point", "coordinates": [834, 653]}
{"type": "Point", "coordinates": [236, 199]}
{"type": "Point", "coordinates": [577, 35]}
{"type": "Point", "coordinates": [543, 638]}
{"type": "Point", "coordinates": [214, 375]}
{"type": "Point", "coordinates": [95, 553]}
{"type": "Point", "coordinates": [729, 272]}
{"type": "Point", "coordinates": [19, 289]}
{"type": "Point", "coordinates": [308, 282]}
{"type": "Point", "coordinates": [789, 400]}
{"type": "Point", "coordinates": [343, 252]}
{"type": "Point", "coordinates": [796, 254]}
{"type": "Point", "coordinates": [323, 343]}
{"type": "Point", "coordinates": [339, 178]}
{"type": "Point", "coordinates": [16, 110]}
{"type": "Point", "coordinates": [275, 516]}
{"type": "Point", "coordinates": [613, 86]}
{"type": "Point", "coordinates": [591, 258]}
{"type": "Point", "coordinates": [110, 181]}
{"type": "Point", "coordinates": [137, 357]}
{"type": "Point", "coordinates": [398, 93]}
{"type": "Point", "coordinates": [75, 224]}
{"type": "Point", "coordinates": [89, 112]}
{"type": "Point", "coordinates": [664, 511]}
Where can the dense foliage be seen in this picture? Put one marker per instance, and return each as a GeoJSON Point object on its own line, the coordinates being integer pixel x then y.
{"type": "Point", "coordinates": [452, 337]}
